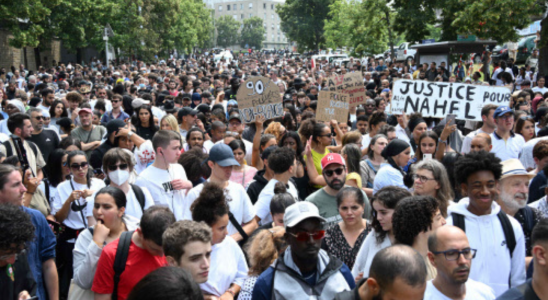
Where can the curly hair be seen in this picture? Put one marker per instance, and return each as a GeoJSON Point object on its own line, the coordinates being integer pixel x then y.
{"type": "Point", "coordinates": [388, 197]}
{"type": "Point", "coordinates": [264, 248]}
{"type": "Point", "coordinates": [412, 216]}
{"type": "Point", "coordinates": [474, 162]}
{"type": "Point", "coordinates": [210, 204]}
{"type": "Point", "coordinates": [275, 128]}
{"type": "Point", "coordinates": [16, 228]}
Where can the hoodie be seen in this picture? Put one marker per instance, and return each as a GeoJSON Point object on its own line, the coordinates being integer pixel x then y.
{"type": "Point", "coordinates": [256, 186]}
{"type": "Point", "coordinates": [492, 264]}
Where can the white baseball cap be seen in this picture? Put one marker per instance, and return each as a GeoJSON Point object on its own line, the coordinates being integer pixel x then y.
{"type": "Point", "coordinates": [300, 211]}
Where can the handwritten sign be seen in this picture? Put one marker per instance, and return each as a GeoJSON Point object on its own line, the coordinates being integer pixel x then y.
{"type": "Point", "coordinates": [351, 84]}
{"type": "Point", "coordinates": [332, 106]}
{"type": "Point", "coordinates": [438, 99]}
{"type": "Point", "coordinates": [259, 96]}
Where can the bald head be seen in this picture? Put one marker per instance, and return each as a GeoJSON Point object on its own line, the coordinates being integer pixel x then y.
{"type": "Point", "coordinates": [443, 235]}
{"type": "Point", "coordinates": [451, 255]}
{"type": "Point", "coordinates": [482, 141]}
{"type": "Point", "coordinates": [398, 262]}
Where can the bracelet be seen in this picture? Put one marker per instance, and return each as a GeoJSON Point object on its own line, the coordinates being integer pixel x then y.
{"type": "Point", "coordinates": [130, 133]}
{"type": "Point", "coordinates": [231, 292]}
{"type": "Point", "coordinates": [440, 141]}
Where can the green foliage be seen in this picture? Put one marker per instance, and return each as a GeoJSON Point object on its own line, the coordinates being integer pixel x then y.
{"type": "Point", "coordinates": [303, 21]}
{"type": "Point", "coordinates": [227, 31]}
{"type": "Point", "coordinates": [253, 33]}
{"type": "Point", "coordinates": [495, 19]}
{"type": "Point", "coordinates": [412, 18]}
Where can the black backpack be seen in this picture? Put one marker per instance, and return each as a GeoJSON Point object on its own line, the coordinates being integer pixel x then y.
{"type": "Point", "coordinates": [458, 220]}
{"type": "Point", "coordinates": [140, 195]}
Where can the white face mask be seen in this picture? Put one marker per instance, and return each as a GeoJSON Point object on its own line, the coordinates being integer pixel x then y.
{"type": "Point", "coordinates": [119, 177]}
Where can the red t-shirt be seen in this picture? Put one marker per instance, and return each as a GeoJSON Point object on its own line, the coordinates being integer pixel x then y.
{"type": "Point", "coordinates": [139, 264]}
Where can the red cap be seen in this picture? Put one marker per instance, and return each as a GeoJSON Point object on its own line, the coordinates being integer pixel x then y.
{"type": "Point", "coordinates": [85, 111]}
{"type": "Point", "coordinates": [332, 158]}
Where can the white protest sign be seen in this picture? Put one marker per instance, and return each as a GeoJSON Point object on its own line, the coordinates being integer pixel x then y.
{"type": "Point", "coordinates": [438, 99]}
{"type": "Point", "coordinates": [259, 96]}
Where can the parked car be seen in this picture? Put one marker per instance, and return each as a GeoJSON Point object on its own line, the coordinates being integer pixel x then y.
{"type": "Point", "coordinates": [405, 52]}
{"type": "Point", "coordinates": [525, 48]}
{"type": "Point", "coordinates": [500, 53]}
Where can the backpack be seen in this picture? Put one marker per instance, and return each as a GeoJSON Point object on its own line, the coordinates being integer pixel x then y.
{"type": "Point", "coordinates": [140, 195]}
{"type": "Point", "coordinates": [9, 151]}
{"type": "Point", "coordinates": [458, 220]}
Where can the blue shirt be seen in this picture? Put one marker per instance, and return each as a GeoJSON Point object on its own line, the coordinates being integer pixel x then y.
{"type": "Point", "coordinates": [40, 249]}
{"type": "Point", "coordinates": [536, 188]}
{"type": "Point", "coordinates": [109, 117]}
{"type": "Point", "coordinates": [381, 68]}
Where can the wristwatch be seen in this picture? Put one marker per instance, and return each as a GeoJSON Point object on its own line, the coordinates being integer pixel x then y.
{"type": "Point", "coordinates": [130, 134]}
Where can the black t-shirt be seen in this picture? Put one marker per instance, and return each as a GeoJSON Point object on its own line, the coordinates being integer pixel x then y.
{"type": "Point", "coordinates": [47, 141]}
{"type": "Point", "coordinates": [23, 279]}
{"type": "Point", "coordinates": [146, 132]}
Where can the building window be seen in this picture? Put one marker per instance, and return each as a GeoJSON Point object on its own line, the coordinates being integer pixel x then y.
{"type": "Point", "coordinates": [220, 8]}
{"type": "Point", "coordinates": [228, 7]}
{"type": "Point", "coordinates": [278, 27]}
{"type": "Point", "coordinates": [271, 6]}
{"type": "Point", "coordinates": [241, 6]}
{"type": "Point", "coordinates": [234, 7]}
{"type": "Point", "coordinates": [250, 5]}
{"type": "Point", "coordinates": [264, 5]}
{"type": "Point", "coordinates": [235, 17]}
{"type": "Point", "coordinates": [243, 16]}
{"type": "Point", "coordinates": [250, 15]}
{"type": "Point", "coordinates": [264, 16]}
{"type": "Point", "coordinates": [272, 16]}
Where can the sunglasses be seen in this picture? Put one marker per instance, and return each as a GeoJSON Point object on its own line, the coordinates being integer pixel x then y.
{"type": "Point", "coordinates": [79, 166]}
{"type": "Point", "coordinates": [305, 236]}
{"type": "Point", "coordinates": [40, 118]}
{"type": "Point", "coordinates": [115, 167]}
{"type": "Point", "coordinates": [115, 101]}
{"type": "Point", "coordinates": [337, 171]}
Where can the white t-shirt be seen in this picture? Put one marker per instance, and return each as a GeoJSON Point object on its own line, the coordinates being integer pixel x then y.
{"type": "Point", "coordinates": [538, 89]}
{"type": "Point", "coordinates": [474, 291]}
{"type": "Point", "coordinates": [366, 140]}
{"type": "Point", "coordinates": [227, 266]}
{"type": "Point", "coordinates": [64, 189]}
{"type": "Point", "coordinates": [511, 148]}
{"type": "Point", "coordinates": [133, 208]}
{"type": "Point", "coordinates": [158, 183]}
{"type": "Point", "coordinates": [238, 201]}
{"type": "Point", "coordinates": [262, 206]}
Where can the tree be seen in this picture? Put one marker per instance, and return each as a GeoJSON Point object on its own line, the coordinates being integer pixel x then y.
{"type": "Point", "coordinates": [303, 21]}
{"type": "Point", "coordinates": [253, 33]}
{"type": "Point", "coordinates": [227, 31]}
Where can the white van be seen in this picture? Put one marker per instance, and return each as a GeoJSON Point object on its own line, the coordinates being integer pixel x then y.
{"type": "Point", "coordinates": [405, 52]}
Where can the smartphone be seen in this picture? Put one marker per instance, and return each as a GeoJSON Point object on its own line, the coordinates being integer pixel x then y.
{"type": "Point", "coordinates": [451, 119]}
{"type": "Point", "coordinates": [427, 157]}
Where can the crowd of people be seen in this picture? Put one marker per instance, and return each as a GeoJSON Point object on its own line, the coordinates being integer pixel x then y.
{"type": "Point", "coordinates": [141, 181]}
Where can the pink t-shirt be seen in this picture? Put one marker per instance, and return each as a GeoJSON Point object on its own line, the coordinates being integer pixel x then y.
{"type": "Point", "coordinates": [238, 177]}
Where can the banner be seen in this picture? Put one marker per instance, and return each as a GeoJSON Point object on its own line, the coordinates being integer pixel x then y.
{"type": "Point", "coordinates": [351, 84]}
{"type": "Point", "coordinates": [332, 106]}
{"type": "Point", "coordinates": [438, 99]}
{"type": "Point", "coordinates": [259, 96]}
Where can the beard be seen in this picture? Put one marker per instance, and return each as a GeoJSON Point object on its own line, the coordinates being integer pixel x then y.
{"type": "Point", "coordinates": [336, 184]}
{"type": "Point", "coordinates": [514, 202]}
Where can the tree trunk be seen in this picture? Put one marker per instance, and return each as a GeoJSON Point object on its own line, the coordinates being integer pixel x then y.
{"type": "Point", "coordinates": [543, 51]}
{"type": "Point", "coordinates": [390, 40]}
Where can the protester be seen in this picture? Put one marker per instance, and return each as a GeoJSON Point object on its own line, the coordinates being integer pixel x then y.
{"type": "Point", "coordinates": [397, 155]}
{"type": "Point", "coordinates": [166, 283]}
{"type": "Point", "coordinates": [430, 179]}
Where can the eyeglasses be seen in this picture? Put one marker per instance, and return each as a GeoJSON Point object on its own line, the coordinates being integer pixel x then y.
{"type": "Point", "coordinates": [454, 254]}
{"type": "Point", "coordinates": [79, 166]}
{"type": "Point", "coordinates": [115, 167]}
{"type": "Point", "coordinates": [305, 236]}
{"type": "Point", "coordinates": [40, 118]}
{"type": "Point", "coordinates": [325, 135]}
{"type": "Point", "coordinates": [507, 118]}
{"type": "Point", "coordinates": [8, 256]}
{"type": "Point", "coordinates": [337, 171]}
{"type": "Point", "coordinates": [369, 105]}
{"type": "Point", "coordinates": [114, 101]}
{"type": "Point", "coordinates": [421, 178]}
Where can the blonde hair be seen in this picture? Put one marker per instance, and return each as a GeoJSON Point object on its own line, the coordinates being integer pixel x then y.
{"type": "Point", "coordinates": [172, 121]}
{"type": "Point", "coordinates": [275, 128]}
{"type": "Point", "coordinates": [264, 248]}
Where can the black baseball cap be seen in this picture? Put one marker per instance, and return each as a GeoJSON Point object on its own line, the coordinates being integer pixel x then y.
{"type": "Point", "coordinates": [185, 111]}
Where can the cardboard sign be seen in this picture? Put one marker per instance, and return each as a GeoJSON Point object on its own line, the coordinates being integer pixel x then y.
{"type": "Point", "coordinates": [332, 106]}
{"type": "Point", "coordinates": [259, 96]}
{"type": "Point", "coordinates": [351, 84]}
{"type": "Point", "coordinates": [438, 99]}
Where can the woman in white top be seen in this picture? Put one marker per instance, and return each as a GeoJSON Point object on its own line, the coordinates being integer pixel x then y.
{"type": "Point", "coordinates": [372, 164]}
{"type": "Point", "coordinates": [109, 210]}
{"type": "Point", "coordinates": [118, 166]}
{"type": "Point", "coordinates": [69, 208]}
{"type": "Point", "coordinates": [383, 206]}
{"type": "Point", "coordinates": [228, 267]}
{"type": "Point", "coordinates": [242, 174]}
{"type": "Point", "coordinates": [397, 154]}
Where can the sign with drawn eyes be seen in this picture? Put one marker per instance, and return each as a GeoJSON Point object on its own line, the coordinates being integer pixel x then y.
{"type": "Point", "coordinates": [259, 96]}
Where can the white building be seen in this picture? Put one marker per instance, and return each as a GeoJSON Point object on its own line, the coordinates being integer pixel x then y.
{"type": "Point", "coordinates": [265, 9]}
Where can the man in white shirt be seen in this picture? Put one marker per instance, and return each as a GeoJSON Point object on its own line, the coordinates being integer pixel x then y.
{"type": "Point", "coordinates": [500, 264]}
{"type": "Point", "coordinates": [503, 68]}
{"type": "Point", "coordinates": [221, 160]}
{"type": "Point", "coordinates": [540, 86]}
{"type": "Point", "coordinates": [451, 255]}
{"type": "Point", "coordinates": [165, 179]}
{"type": "Point", "coordinates": [488, 127]}
{"type": "Point", "coordinates": [48, 96]}
{"type": "Point", "coordinates": [283, 164]}
{"type": "Point", "coordinates": [506, 144]}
